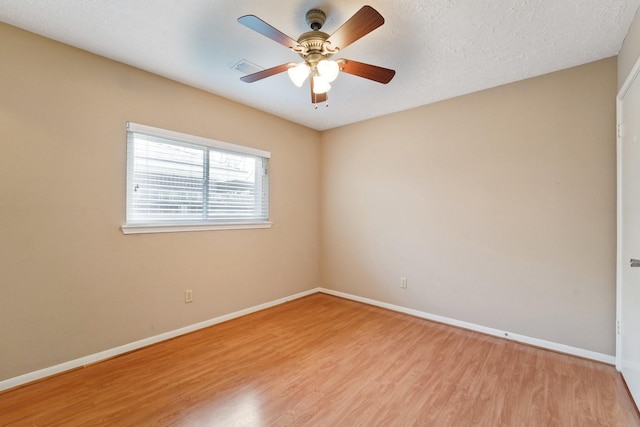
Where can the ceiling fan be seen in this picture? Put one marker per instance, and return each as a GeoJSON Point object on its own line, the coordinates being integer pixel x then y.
{"type": "Point", "coordinates": [316, 49]}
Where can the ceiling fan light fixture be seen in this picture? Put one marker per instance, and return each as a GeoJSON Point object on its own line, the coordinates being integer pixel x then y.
{"type": "Point", "coordinates": [298, 73]}
{"type": "Point", "coordinates": [320, 85]}
{"type": "Point", "coordinates": [328, 69]}
{"type": "Point", "coordinates": [316, 47]}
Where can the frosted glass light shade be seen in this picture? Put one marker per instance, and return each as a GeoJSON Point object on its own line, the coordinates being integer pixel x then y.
{"type": "Point", "coordinates": [298, 73]}
{"type": "Point", "coordinates": [328, 69]}
{"type": "Point", "coordinates": [320, 85]}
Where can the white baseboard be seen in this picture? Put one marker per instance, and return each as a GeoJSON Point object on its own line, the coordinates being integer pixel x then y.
{"type": "Point", "coordinates": [103, 355]}
{"type": "Point", "coordinates": [549, 345]}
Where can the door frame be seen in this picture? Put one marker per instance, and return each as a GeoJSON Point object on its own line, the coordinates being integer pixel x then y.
{"type": "Point", "coordinates": [631, 77]}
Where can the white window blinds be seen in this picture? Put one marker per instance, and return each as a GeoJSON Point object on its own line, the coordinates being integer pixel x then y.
{"type": "Point", "coordinates": [174, 178]}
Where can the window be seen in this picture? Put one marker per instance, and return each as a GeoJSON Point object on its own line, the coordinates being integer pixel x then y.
{"type": "Point", "coordinates": [180, 182]}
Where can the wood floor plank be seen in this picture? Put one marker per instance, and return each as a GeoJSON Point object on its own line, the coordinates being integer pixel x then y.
{"type": "Point", "coordinates": [326, 361]}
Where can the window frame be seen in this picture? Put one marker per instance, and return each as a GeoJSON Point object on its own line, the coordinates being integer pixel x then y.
{"type": "Point", "coordinates": [130, 227]}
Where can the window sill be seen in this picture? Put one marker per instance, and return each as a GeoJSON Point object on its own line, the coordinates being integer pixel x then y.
{"type": "Point", "coordinates": [178, 228]}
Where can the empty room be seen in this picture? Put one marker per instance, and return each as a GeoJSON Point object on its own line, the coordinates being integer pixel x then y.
{"type": "Point", "coordinates": [319, 213]}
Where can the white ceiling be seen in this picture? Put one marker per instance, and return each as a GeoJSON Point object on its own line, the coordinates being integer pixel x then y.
{"type": "Point", "coordinates": [439, 48]}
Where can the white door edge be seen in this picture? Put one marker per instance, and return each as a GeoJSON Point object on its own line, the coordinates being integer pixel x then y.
{"type": "Point", "coordinates": [633, 74]}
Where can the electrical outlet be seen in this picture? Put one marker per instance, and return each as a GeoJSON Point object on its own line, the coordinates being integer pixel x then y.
{"type": "Point", "coordinates": [403, 282]}
{"type": "Point", "coordinates": [188, 295]}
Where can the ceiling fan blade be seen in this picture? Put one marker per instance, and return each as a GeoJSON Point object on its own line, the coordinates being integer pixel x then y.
{"type": "Point", "coordinates": [250, 78]}
{"type": "Point", "coordinates": [362, 23]}
{"type": "Point", "coordinates": [371, 72]}
{"type": "Point", "coordinates": [258, 25]}
{"type": "Point", "coordinates": [317, 98]}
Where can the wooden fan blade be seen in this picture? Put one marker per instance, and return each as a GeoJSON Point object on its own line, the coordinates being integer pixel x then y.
{"type": "Point", "coordinates": [362, 23]}
{"type": "Point", "coordinates": [258, 25]}
{"type": "Point", "coordinates": [317, 98]}
{"type": "Point", "coordinates": [371, 72]}
{"type": "Point", "coordinates": [250, 78]}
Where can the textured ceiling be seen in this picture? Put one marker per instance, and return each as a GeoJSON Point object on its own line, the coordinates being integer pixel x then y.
{"type": "Point", "coordinates": [439, 48]}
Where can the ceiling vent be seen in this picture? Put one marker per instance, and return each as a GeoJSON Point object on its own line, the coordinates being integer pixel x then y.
{"type": "Point", "coordinates": [246, 67]}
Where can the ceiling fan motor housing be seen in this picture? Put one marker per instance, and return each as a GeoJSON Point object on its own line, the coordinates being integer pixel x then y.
{"type": "Point", "coordinates": [314, 46]}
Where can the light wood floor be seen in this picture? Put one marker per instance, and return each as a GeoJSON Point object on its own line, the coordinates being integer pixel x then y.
{"type": "Point", "coordinates": [325, 361]}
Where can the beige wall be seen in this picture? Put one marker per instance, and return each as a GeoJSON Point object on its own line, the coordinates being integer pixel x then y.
{"type": "Point", "coordinates": [498, 207]}
{"type": "Point", "coordinates": [630, 50]}
{"type": "Point", "coordinates": [71, 284]}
